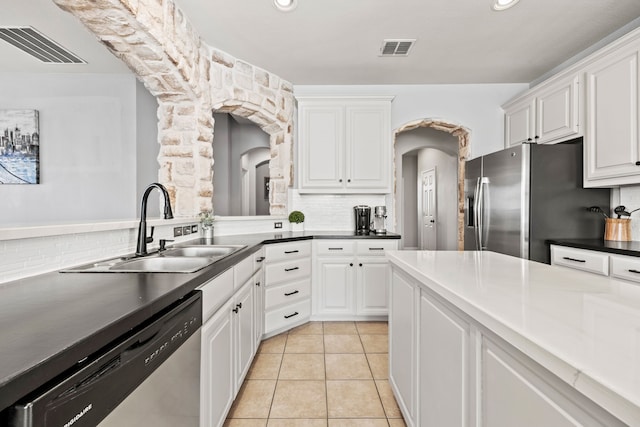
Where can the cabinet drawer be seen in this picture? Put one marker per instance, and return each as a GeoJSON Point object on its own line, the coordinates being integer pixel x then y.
{"type": "Point", "coordinates": [375, 247]}
{"type": "Point", "coordinates": [287, 315]}
{"type": "Point", "coordinates": [284, 251]}
{"type": "Point", "coordinates": [284, 294]}
{"type": "Point", "coordinates": [215, 292]}
{"type": "Point", "coordinates": [332, 247]}
{"type": "Point", "coordinates": [594, 262]}
{"type": "Point", "coordinates": [625, 268]}
{"type": "Point", "coordinates": [242, 272]}
{"type": "Point", "coordinates": [287, 270]}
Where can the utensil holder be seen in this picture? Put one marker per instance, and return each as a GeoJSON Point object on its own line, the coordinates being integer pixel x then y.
{"type": "Point", "coordinates": [617, 229]}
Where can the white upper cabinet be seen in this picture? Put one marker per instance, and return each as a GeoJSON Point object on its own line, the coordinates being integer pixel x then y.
{"type": "Point", "coordinates": [344, 144]}
{"type": "Point", "coordinates": [547, 114]}
{"type": "Point", "coordinates": [611, 135]}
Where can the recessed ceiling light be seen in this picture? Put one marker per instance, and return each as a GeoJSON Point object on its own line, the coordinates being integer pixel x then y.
{"type": "Point", "coordinates": [285, 5]}
{"type": "Point", "coordinates": [504, 4]}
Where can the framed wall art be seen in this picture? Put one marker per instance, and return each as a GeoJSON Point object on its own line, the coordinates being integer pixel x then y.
{"type": "Point", "coordinates": [19, 147]}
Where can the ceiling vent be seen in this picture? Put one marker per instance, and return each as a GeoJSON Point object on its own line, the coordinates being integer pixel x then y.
{"type": "Point", "coordinates": [38, 45]}
{"type": "Point", "coordinates": [396, 47]}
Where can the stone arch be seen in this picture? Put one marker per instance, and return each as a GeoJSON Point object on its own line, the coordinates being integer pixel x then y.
{"type": "Point", "coordinates": [462, 134]}
{"type": "Point", "coordinates": [190, 79]}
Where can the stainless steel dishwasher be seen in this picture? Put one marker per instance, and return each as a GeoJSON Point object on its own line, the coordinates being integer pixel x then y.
{"type": "Point", "coordinates": [149, 377]}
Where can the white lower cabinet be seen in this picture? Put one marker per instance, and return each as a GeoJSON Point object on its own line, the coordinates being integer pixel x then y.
{"type": "Point", "coordinates": [403, 341]}
{"type": "Point", "coordinates": [445, 349]}
{"type": "Point", "coordinates": [446, 369]}
{"type": "Point", "coordinates": [287, 277]}
{"type": "Point", "coordinates": [216, 368]}
{"type": "Point", "coordinates": [351, 279]}
{"type": "Point", "coordinates": [244, 344]}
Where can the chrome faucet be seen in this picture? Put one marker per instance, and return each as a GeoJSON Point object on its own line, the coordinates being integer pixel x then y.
{"type": "Point", "coordinates": [141, 248]}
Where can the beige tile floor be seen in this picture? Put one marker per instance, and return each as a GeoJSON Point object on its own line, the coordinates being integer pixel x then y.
{"type": "Point", "coordinates": [329, 374]}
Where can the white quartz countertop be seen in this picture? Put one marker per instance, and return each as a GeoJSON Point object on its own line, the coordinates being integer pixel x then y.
{"type": "Point", "coordinates": [582, 327]}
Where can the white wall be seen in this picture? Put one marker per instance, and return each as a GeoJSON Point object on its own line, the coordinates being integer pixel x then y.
{"type": "Point", "coordinates": [87, 148]}
{"type": "Point", "coordinates": [147, 147]}
{"type": "Point", "coordinates": [221, 164]}
{"type": "Point", "coordinates": [407, 188]}
{"type": "Point", "coordinates": [630, 198]}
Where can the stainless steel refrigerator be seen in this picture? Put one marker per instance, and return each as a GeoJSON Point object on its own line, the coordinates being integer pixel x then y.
{"type": "Point", "coordinates": [517, 198]}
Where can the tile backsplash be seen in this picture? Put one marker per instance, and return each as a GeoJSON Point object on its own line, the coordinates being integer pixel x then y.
{"type": "Point", "coordinates": [630, 197]}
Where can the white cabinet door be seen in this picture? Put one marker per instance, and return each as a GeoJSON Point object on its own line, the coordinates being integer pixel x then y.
{"type": "Point", "coordinates": [403, 338]}
{"type": "Point", "coordinates": [243, 332]}
{"type": "Point", "coordinates": [519, 122]}
{"type": "Point", "coordinates": [258, 305]}
{"type": "Point", "coordinates": [322, 146]}
{"type": "Point", "coordinates": [368, 148]}
{"type": "Point", "coordinates": [557, 111]}
{"type": "Point", "coordinates": [510, 389]}
{"type": "Point", "coordinates": [344, 144]}
{"type": "Point", "coordinates": [445, 345]}
{"type": "Point", "coordinates": [373, 277]}
{"type": "Point", "coordinates": [611, 135]}
{"type": "Point", "coordinates": [217, 377]}
{"type": "Point", "coordinates": [336, 280]}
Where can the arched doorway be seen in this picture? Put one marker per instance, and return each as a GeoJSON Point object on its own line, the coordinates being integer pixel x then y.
{"type": "Point", "coordinates": [462, 135]}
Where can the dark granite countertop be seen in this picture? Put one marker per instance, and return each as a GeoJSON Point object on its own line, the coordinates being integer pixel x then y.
{"type": "Point", "coordinates": [611, 246]}
{"type": "Point", "coordinates": [51, 321]}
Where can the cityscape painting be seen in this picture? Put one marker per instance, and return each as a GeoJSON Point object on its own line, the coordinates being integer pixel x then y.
{"type": "Point", "coordinates": [19, 147]}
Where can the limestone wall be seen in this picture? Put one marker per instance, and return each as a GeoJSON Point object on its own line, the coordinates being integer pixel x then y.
{"type": "Point", "coordinates": [191, 80]}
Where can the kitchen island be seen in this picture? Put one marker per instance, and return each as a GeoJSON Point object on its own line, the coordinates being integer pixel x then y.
{"type": "Point", "coordinates": [480, 338]}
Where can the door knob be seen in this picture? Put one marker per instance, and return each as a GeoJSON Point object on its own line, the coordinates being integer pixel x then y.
{"type": "Point", "coordinates": [433, 220]}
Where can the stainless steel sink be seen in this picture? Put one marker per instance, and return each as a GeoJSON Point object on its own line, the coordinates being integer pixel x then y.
{"type": "Point", "coordinates": [203, 251]}
{"type": "Point", "coordinates": [181, 259]}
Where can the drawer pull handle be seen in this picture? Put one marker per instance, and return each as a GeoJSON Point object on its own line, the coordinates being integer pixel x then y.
{"type": "Point", "coordinates": [295, 292]}
{"type": "Point", "coordinates": [336, 249]}
{"type": "Point", "coordinates": [260, 259]}
{"type": "Point", "coordinates": [291, 252]}
{"type": "Point", "coordinates": [376, 249]}
{"type": "Point", "coordinates": [292, 268]}
{"type": "Point", "coordinates": [295, 313]}
{"type": "Point", "coordinates": [235, 310]}
{"type": "Point", "coordinates": [239, 305]}
{"type": "Point", "coordinates": [573, 259]}
{"type": "Point", "coordinates": [634, 271]}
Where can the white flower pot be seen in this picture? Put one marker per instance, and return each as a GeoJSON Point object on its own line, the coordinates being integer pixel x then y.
{"type": "Point", "coordinates": [297, 226]}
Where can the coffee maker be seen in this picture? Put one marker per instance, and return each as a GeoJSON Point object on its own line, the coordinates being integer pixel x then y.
{"type": "Point", "coordinates": [363, 219]}
{"type": "Point", "coordinates": [379, 219]}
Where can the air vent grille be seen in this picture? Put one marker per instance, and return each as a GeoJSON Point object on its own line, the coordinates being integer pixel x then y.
{"type": "Point", "coordinates": [397, 47]}
{"type": "Point", "coordinates": [36, 44]}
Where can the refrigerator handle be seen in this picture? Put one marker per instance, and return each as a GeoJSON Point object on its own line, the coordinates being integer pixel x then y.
{"type": "Point", "coordinates": [484, 222]}
{"type": "Point", "coordinates": [477, 212]}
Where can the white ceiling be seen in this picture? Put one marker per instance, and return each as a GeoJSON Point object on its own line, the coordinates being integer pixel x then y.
{"type": "Point", "coordinates": [337, 41]}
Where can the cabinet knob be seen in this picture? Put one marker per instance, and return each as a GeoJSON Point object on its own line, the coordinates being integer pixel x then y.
{"type": "Point", "coordinates": [360, 264]}
{"type": "Point", "coordinates": [350, 264]}
{"type": "Point", "coordinates": [235, 310]}
{"type": "Point", "coordinates": [529, 140]}
{"type": "Point", "coordinates": [537, 137]}
{"type": "Point", "coordinates": [340, 180]}
{"type": "Point", "coordinates": [239, 305]}
{"type": "Point", "coordinates": [349, 180]}
{"type": "Point", "coordinates": [257, 283]}
{"type": "Point", "coordinates": [638, 163]}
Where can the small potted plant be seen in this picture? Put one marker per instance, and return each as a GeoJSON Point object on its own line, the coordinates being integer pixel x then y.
{"type": "Point", "coordinates": [296, 218]}
{"type": "Point", "coordinates": [206, 223]}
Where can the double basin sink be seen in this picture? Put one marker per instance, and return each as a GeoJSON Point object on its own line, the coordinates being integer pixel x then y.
{"type": "Point", "coordinates": [181, 259]}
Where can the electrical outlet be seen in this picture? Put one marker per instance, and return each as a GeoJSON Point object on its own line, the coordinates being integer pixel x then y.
{"type": "Point", "coordinates": [177, 231]}
{"type": "Point", "coordinates": [194, 228]}
{"type": "Point", "coordinates": [277, 225]}
{"type": "Point", "coordinates": [186, 230]}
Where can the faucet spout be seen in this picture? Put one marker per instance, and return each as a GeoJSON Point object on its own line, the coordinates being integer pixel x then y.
{"type": "Point", "coordinates": [141, 247]}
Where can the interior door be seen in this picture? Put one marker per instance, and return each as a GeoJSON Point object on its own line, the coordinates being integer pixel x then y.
{"type": "Point", "coordinates": [428, 224]}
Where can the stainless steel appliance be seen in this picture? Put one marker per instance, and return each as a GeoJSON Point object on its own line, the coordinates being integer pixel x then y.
{"type": "Point", "coordinates": [379, 220]}
{"type": "Point", "coordinates": [516, 199]}
{"type": "Point", "coordinates": [363, 219]}
{"type": "Point", "coordinates": [149, 377]}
